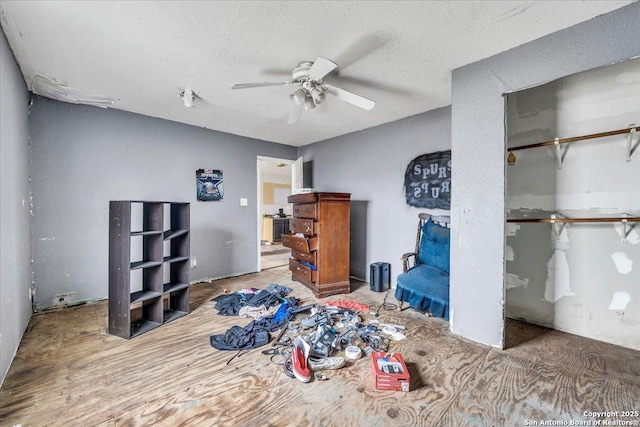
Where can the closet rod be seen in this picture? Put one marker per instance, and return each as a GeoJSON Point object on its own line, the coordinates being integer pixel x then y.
{"type": "Point", "coordinates": [570, 220]}
{"type": "Point", "coordinates": [574, 139]}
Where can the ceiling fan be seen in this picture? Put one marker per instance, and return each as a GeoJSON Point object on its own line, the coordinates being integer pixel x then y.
{"type": "Point", "coordinates": [312, 91]}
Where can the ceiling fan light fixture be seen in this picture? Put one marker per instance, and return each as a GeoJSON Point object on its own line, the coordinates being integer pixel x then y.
{"type": "Point", "coordinates": [309, 104]}
{"type": "Point", "coordinates": [317, 95]}
{"type": "Point", "coordinates": [299, 96]}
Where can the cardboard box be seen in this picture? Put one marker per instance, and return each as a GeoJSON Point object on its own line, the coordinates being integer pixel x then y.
{"type": "Point", "coordinates": [390, 371]}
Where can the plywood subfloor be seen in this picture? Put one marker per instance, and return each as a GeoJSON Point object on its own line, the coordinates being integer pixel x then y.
{"type": "Point", "coordinates": [69, 371]}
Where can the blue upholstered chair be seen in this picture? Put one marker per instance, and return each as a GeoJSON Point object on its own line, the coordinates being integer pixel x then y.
{"type": "Point", "coordinates": [425, 285]}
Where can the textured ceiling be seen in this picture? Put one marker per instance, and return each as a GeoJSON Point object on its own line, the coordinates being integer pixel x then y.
{"type": "Point", "coordinates": [400, 54]}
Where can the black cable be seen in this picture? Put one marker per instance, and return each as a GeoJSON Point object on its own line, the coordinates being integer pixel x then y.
{"type": "Point", "coordinates": [238, 354]}
{"type": "Point", "coordinates": [385, 305]}
{"type": "Point", "coordinates": [388, 305]}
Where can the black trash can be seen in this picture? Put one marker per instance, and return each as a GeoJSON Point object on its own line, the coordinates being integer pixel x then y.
{"type": "Point", "coordinates": [380, 276]}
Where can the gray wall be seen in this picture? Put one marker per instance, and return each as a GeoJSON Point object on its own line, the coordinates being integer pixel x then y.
{"type": "Point", "coordinates": [478, 149]}
{"type": "Point", "coordinates": [15, 249]}
{"type": "Point", "coordinates": [585, 279]}
{"type": "Point", "coordinates": [83, 156]}
{"type": "Point", "coordinates": [371, 165]}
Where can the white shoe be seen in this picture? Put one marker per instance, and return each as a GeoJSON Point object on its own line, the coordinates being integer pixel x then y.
{"type": "Point", "coordinates": [318, 363]}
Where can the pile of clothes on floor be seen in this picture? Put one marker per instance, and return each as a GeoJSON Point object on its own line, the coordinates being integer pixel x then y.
{"type": "Point", "coordinates": [269, 307]}
{"type": "Point", "coordinates": [309, 335]}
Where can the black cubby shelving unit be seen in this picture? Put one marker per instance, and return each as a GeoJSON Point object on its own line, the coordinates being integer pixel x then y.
{"type": "Point", "coordinates": [141, 302]}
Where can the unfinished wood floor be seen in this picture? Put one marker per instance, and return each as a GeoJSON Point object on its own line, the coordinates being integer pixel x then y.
{"type": "Point", "coordinates": [69, 371]}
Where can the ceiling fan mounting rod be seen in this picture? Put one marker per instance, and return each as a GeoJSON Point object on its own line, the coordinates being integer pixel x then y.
{"type": "Point", "coordinates": [301, 72]}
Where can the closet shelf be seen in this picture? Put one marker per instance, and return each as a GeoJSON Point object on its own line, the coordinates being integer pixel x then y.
{"type": "Point", "coordinates": [560, 222]}
{"type": "Point", "coordinates": [630, 131]}
{"type": "Point", "coordinates": [572, 220]}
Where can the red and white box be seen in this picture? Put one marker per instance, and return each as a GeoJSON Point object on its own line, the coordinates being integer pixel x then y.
{"type": "Point", "coordinates": [390, 371]}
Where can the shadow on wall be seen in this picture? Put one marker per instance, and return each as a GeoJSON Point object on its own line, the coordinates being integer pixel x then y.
{"type": "Point", "coordinates": [358, 261]}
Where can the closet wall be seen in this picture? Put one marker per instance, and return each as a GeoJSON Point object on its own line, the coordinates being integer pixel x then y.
{"type": "Point", "coordinates": [583, 278]}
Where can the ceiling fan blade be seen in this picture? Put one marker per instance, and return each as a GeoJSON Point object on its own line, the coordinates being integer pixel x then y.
{"type": "Point", "coordinates": [250, 85]}
{"type": "Point", "coordinates": [321, 68]}
{"type": "Point", "coordinates": [296, 112]}
{"type": "Point", "coordinates": [350, 97]}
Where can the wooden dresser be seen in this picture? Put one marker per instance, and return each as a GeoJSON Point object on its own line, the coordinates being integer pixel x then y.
{"type": "Point", "coordinates": [320, 237]}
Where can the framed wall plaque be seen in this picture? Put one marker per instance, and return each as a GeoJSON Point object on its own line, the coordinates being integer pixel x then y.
{"type": "Point", "coordinates": [209, 185]}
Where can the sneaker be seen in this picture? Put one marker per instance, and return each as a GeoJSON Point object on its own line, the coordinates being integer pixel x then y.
{"type": "Point", "coordinates": [299, 354]}
{"type": "Point", "coordinates": [318, 363]}
{"type": "Point", "coordinates": [317, 319]}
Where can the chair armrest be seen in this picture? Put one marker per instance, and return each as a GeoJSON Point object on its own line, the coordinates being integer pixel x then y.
{"type": "Point", "coordinates": [405, 260]}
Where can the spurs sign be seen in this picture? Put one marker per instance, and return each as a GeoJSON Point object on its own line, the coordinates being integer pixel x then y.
{"type": "Point", "coordinates": [427, 181]}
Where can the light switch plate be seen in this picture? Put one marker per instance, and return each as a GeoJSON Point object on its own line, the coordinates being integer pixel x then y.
{"type": "Point", "coordinates": [243, 201]}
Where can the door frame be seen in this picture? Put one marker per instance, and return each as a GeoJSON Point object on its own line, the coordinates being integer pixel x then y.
{"type": "Point", "coordinates": [259, 198]}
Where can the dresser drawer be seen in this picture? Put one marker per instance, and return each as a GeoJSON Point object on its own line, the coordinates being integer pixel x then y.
{"type": "Point", "coordinates": [301, 244]}
{"type": "Point", "coordinates": [303, 256]}
{"type": "Point", "coordinates": [304, 226]}
{"type": "Point", "coordinates": [307, 210]}
{"type": "Point", "coordinates": [302, 273]}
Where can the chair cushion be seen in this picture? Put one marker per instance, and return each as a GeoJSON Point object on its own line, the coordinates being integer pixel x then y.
{"type": "Point", "coordinates": [425, 288]}
{"type": "Point", "coordinates": [434, 246]}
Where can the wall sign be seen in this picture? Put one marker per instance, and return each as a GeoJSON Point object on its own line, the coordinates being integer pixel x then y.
{"type": "Point", "coordinates": [209, 185]}
{"type": "Point", "coordinates": [427, 181]}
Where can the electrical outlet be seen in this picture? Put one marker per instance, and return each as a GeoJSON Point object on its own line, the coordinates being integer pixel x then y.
{"type": "Point", "coordinates": [193, 262]}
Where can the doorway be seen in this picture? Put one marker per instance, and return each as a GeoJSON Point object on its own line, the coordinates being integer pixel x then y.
{"type": "Point", "coordinates": [274, 212]}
